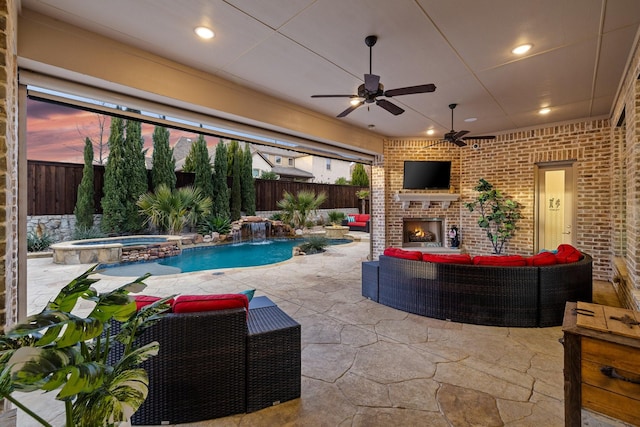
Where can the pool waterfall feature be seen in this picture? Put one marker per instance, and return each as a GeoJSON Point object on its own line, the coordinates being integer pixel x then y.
{"type": "Point", "coordinates": [128, 249]}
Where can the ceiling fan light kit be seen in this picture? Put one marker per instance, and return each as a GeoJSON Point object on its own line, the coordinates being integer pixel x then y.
{"type": "Point", "coordinates": [370, 91]}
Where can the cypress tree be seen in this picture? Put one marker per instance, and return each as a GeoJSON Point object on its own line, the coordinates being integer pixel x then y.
{"type": "Point", "coordinates": [236, 187]}
{"type": "Point", "coordinates": [136, 174]}
{"type": "Point", "coordinates": [359, 176]}
{"type": "Point", "coordinates": [113, 201]}
{"type": "Point", "coordinates": [164, 165]}
{"type": "Point", "coordinates": [220, 198]}
{"type": "Point", "coordinates": [202, 166]}
{"type": "Point", "coordinates": [247, 183]}
{"type": "Point", "coordinates": [84, 204]}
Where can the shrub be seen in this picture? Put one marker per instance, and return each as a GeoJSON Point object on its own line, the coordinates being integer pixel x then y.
{"type": "Point", "coordinates": [38, 241]}
{"type": "Point", "coordinates": [314, 244]}
{"type": "Point", "coordinates": [296, 209]}
{"type": "Point", "coordinates": [82, 233]}
{"type": "Point", "coordinates": [336, 217]}
{"type": "Point", "coordinates": [215, 224]}
{"type": "Point", "coordinates": [269, 175]}
{"type": "Point", "coordinates": [174, 210]}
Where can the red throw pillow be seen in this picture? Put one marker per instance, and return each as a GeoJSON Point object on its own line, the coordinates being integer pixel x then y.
{"type": "Point", "coordinates": [447, 258]}
{"type": "Point", "coordinates": [196, 303]}
{"type": "Point", "coordinates": [500, 260]}
{"type": "Point", "coordinates": [543, 258]}
{"type": "Point", "coordinates": [567, 253]}
{"type": "Point", "coordinates": [401, 253]}
{"type": "Point", "coordinates": [144, 300]}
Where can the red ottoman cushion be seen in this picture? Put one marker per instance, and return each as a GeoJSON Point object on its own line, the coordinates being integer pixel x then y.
{"type": "Point", "coordinates": [195, 303]}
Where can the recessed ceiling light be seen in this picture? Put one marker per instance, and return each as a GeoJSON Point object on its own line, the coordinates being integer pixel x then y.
{"type": "Point", "coordinates": [431, 132]}
{"type": "Point", "coordinates": [470, 119]}
{"type": "Point", "coordinates": [545, 110]}
{"type": "Point", "coordinates": [204, 32]}
{"type": "Point", "coordinates": [522, 49]}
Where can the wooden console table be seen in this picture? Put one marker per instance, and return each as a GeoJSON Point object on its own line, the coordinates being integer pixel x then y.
{"type": "Point", "coordinates": [601, 362]}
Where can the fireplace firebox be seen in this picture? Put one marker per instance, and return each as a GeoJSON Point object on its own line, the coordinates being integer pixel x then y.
{"type": "Point", "coordinates": [423, 232]}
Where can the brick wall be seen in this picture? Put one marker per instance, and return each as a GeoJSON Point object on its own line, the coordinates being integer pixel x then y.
{"type": "Point", "coordinates": [8, 175]}
{"type": "Point", "coordinates": [509, 163]}
{"type": "Point", "coordinates": [8, 162]}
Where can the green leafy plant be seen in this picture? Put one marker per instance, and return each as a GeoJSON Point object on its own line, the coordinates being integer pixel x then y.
{"type": "Point", "coordinates": [314, 245]}
{"type": "Point", "coordinates": [172, 211]}
{"type": "Point", "coordinates": [336, 217]}
{"type": "Point", "coordinates": [58, 350]}
{"type": "Point", "coordinates": [38, 240]}
{"type": "Point", "coordinates": [498, 214]}
{"type": "Point", "coordinates": [269, 175]}
{"type": "Point", "coordinates": [82, 233]}
{"type": "Point", "coordinates": [297, 208]}
{"type": "Point", "coordinates": [215, 224]}
{"type": "Point", "coordinates": [342, 181]}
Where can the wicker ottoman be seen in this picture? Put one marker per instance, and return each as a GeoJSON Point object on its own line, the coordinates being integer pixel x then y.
{"type": "Point", "coordinates": [273, 358]}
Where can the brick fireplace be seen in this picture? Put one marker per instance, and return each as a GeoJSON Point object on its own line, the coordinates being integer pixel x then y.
{"type": "Point", "coordinates": [423, 232]}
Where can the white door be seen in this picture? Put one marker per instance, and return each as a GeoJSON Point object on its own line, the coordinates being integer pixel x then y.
{"type": "Point", "coordinates": [555, 206]}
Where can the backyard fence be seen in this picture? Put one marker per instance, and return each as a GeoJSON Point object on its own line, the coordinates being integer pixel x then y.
{"type": "Point", "coordinates": [52, 189]}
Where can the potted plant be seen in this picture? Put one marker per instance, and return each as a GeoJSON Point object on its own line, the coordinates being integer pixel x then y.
{"type": "Point", "coordinates": [58, 350]}
{"type": "Point", "coordinates": [363, 195]}
{"type": "Point", "coordinates": [498, 214]}
{"type": "Point", "coordinates": [336, 230]}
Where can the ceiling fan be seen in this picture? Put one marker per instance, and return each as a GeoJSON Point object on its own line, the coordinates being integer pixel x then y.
{"type": "Point", "coordinates": [459, 137]}
{"type": "Point", "coordinates": [372, 89]}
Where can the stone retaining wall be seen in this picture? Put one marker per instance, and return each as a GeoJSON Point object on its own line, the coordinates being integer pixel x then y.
{"type": "Point", "coordinates": [149, 252]}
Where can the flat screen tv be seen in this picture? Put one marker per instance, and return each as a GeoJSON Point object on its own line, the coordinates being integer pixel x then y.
{"type": "Point", "coordinates": [427, 174]}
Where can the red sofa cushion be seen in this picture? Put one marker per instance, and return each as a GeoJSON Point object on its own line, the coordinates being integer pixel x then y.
{"type": "Point", "coordinates": [361, 217]}
{"type": "Point", "coordinates": [447, 258]}
{"type": "Point", "coordinates": [195, 303]}
{"type": "Point", "coordinates": [500, 260]}
{"type": "Point", "coordinates": [401, 253]}
{"type": "Point", "coordinates": [567, 253]}
{"type": "Point", "coordinates": [543, 258]}
{"type": "Point", "coordinates": [144, 300]}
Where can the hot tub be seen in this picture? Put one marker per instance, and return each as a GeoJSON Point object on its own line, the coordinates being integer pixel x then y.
{"type": "Point", "coordinates": [107, 250]}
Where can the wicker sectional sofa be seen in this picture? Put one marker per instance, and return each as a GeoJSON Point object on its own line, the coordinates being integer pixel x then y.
{"type": "Point", "coordinates": [217, 363]}
{"type": "Point", "coordinates": [523, 296]}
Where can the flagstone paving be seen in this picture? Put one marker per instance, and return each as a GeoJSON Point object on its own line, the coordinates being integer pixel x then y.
{"type": "Point", "coordinates": [364, 364]}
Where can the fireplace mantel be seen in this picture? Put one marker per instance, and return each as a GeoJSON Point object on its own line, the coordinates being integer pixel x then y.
{"type": "Point", "coordinates": [426, 199]}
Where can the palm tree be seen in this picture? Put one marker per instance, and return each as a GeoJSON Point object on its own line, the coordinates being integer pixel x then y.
{"type": "Point", "coordinates": [297, 208]}
{"type": "Point", "coordinates": [172, 211]}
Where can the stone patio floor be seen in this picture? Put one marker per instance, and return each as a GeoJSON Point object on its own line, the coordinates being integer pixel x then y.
{"type": "Point", "coordinates": [364, 364]}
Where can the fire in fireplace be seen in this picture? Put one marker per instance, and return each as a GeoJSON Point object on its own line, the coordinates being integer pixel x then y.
{"type": "Point", "coordinates": [422, 232]}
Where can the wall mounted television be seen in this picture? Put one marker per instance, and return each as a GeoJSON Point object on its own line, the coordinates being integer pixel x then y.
{"type": "Point", "coordinates": [426, 175]}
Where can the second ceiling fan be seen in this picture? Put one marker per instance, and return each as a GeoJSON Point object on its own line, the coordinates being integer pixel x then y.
{"type": "Point", "coordinates": [459, 137]}
{"type": "Point", "coordinates": [372, 89]}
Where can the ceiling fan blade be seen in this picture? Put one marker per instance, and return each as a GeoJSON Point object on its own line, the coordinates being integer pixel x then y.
{"type": "Point", "coordinates": [460, 134]}
{"type": "Point", "coordinates": [350, 109]}
{"type": "Point", "coordinates": [480, 137]}
{"type": "Point", "coordinates": [389, 106]}
{"type": "Point", "coordinates": [371, 82]}
{"type": "Point", "coordinates": [459, 142]}
{"type": "Point", "coordinates": [410, 89]}
{"type": "Point", "coordinates": [334, 96]}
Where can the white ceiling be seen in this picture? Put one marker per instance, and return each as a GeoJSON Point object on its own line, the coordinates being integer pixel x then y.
{"type": "Point", "coordinates": [293, 49]}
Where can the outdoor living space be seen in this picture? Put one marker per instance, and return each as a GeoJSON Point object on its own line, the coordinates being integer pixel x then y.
{"type": "Point", "coordinates": [364, 364]}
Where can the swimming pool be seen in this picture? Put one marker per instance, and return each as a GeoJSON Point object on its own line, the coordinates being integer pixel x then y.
{"type": "Point", "coordinates": [246, 254]}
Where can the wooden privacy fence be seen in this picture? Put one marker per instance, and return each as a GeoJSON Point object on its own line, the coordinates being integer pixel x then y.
{"type": "Point", "coordinates": [52, 189]}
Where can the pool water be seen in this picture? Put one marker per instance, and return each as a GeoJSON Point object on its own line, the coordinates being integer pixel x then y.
{"type": "Point", "coordinates": [237, 255]}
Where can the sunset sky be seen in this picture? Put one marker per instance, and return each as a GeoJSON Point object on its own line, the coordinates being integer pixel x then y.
{"type": "Point", "coordinates": [57, 133]}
